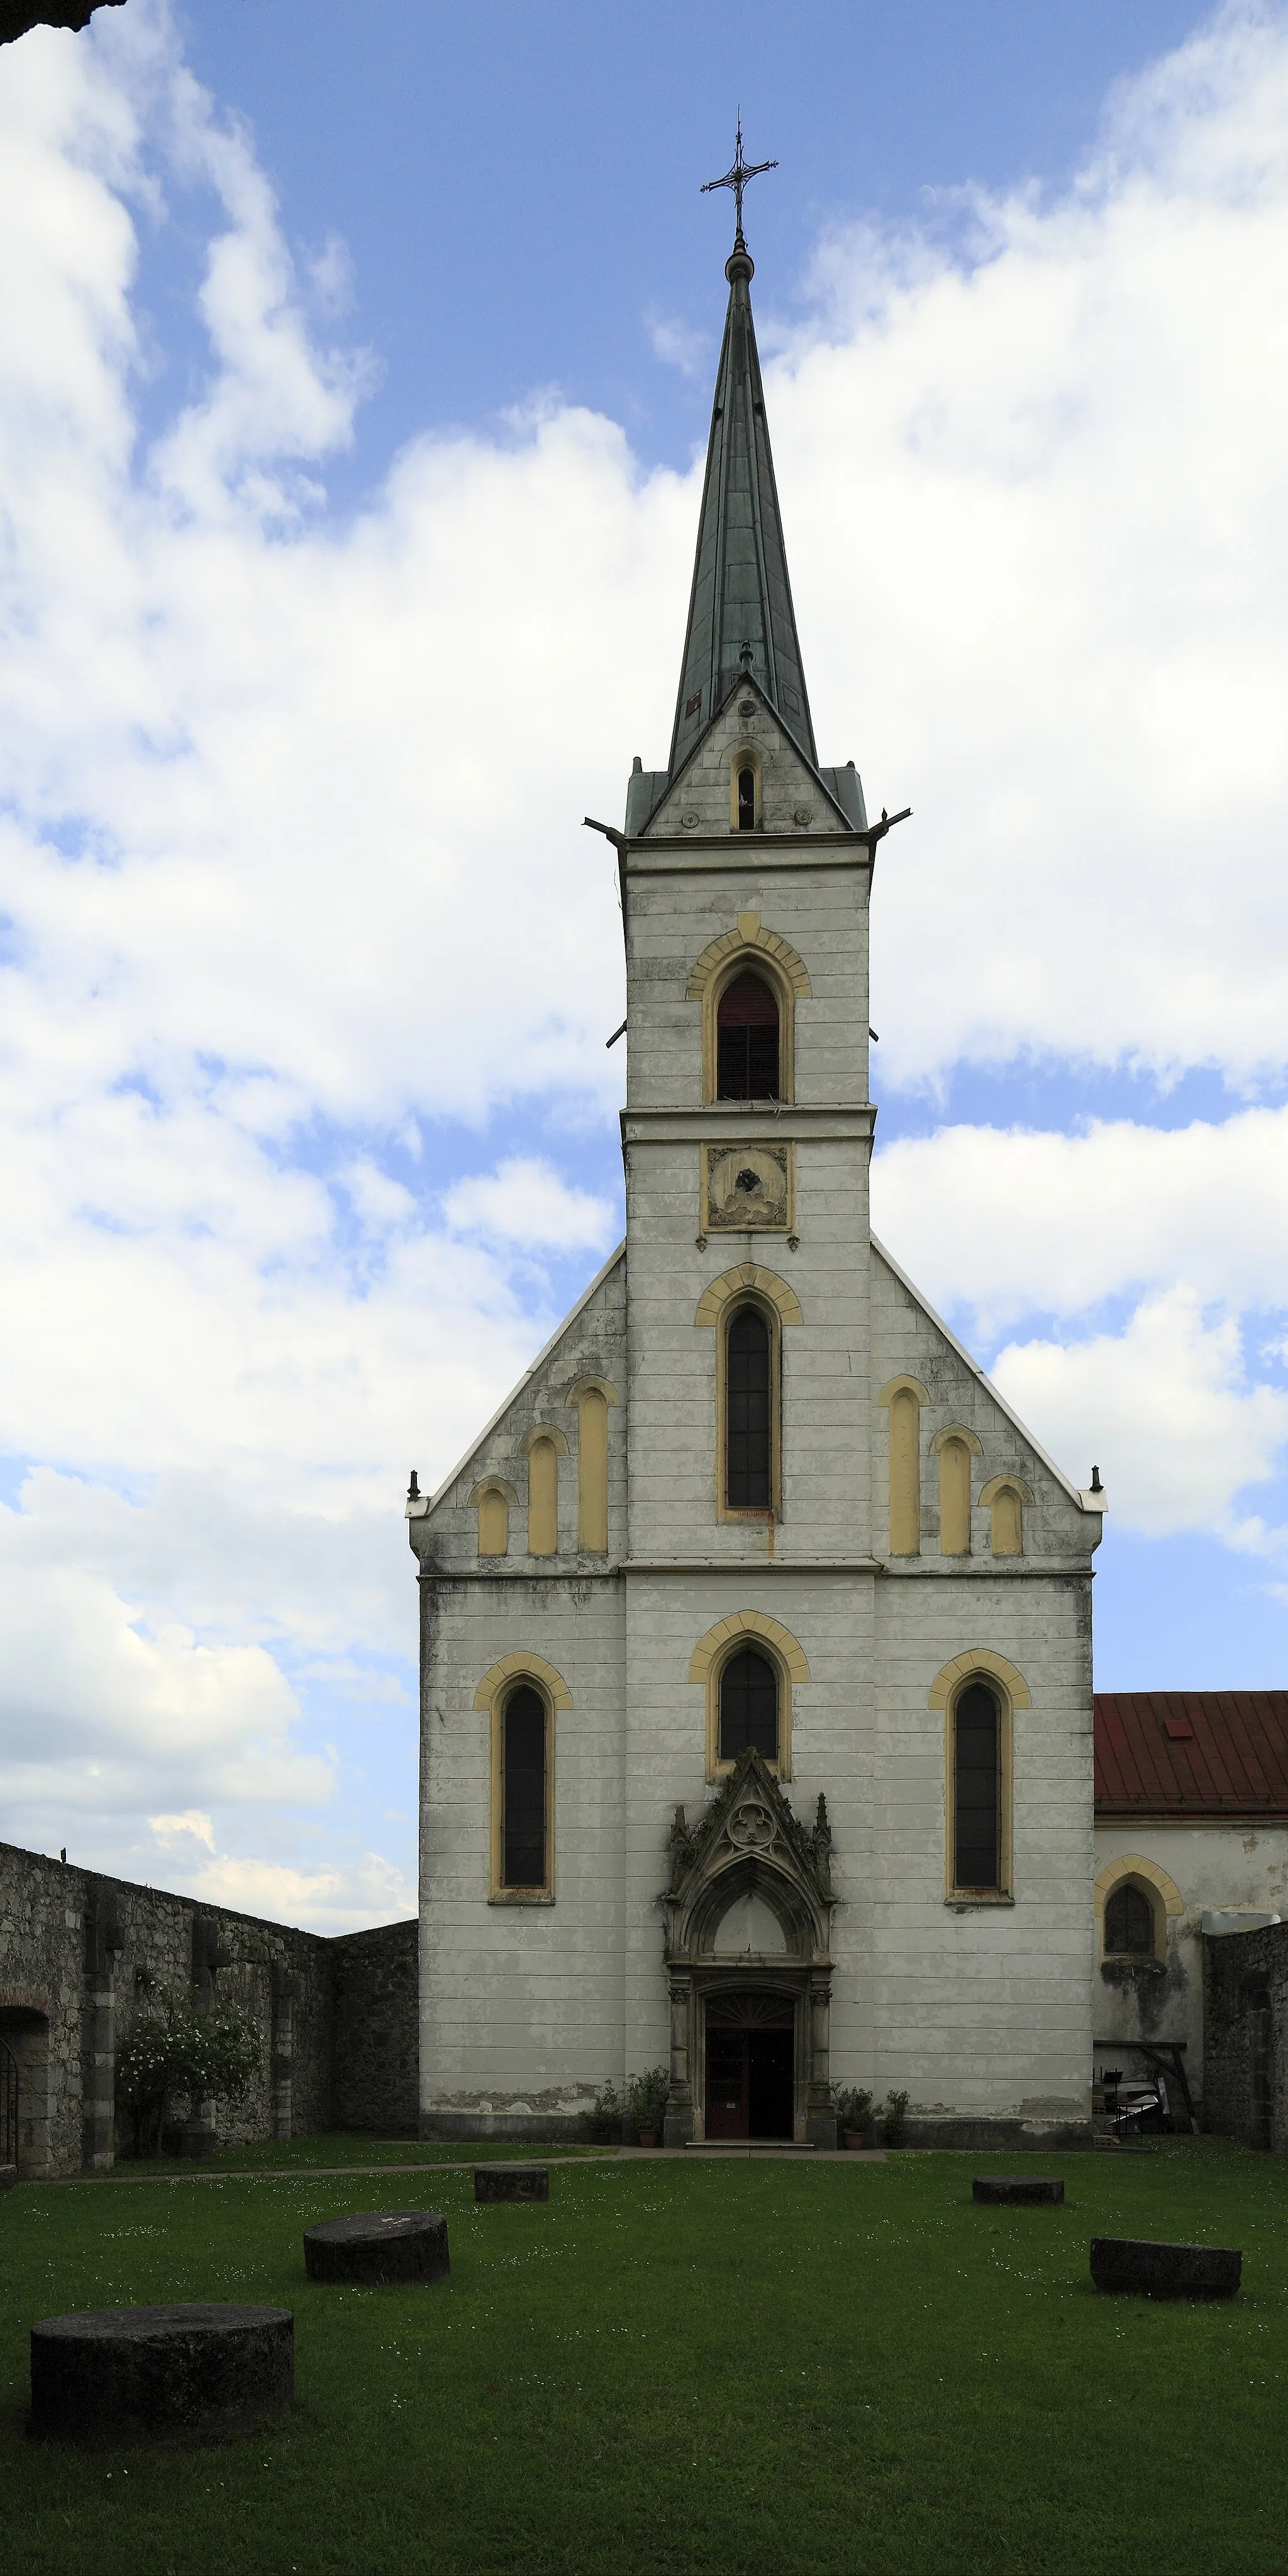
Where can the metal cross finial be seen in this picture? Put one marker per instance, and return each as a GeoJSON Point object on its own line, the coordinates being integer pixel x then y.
{"type": "Point", "coordinates": [737, 179]}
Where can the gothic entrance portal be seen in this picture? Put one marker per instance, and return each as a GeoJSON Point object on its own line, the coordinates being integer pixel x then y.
{"type": "Point", "coordinates": [751, 2046]}
{"type": "Point", "coordinates": [748, 1963]}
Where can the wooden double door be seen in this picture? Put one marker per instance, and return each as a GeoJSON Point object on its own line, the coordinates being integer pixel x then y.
{"type": "Point", "coordinates": [750, 2080]}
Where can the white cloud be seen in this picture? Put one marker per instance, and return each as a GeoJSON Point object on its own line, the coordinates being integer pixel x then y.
{"type": "Point", "coordinates": [1165, 1409]}
{"type": "Point", "coordinates": [332, 1898]}
{"type": "Point", "coordinates": [292, 862]}
{"type": "Point", "coordinates": [1009, 1221]}
{"type": "Point", "coordinates": [171, 1830]}
{"type": "Point", "coordinates": [525, 1202]}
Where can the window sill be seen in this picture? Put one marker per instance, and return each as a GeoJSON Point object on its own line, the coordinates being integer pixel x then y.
{"type": "Point", "coordinates": [522, 1896]}
{"type": "Point", "coordinates": [978, 1902]}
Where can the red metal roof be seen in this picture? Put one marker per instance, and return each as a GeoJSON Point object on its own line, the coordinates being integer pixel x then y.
{"type": "Point", "coordinates": [1191, 1753]}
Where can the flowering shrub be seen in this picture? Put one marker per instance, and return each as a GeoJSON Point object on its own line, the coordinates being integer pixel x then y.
{"type": "Point", "coordinates": [174, 2048]}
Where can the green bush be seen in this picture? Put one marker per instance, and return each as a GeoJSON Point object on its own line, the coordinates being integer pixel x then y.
{"type": "Point", "coordinates": [604, 2123]}
{"type": "Point", "coordinates": [894, 2121]}
{"type": "Point", "coordinates": [172, 2048]}
{"type": "Point", "coordinates": [853, 2108]}
{"type": "Point", "coordinates": [644, 2102]}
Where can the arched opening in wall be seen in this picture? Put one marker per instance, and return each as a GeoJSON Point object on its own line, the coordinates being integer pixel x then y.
{"type": "Point", "coordinates": [750, 2050]}
{"type": "Point", "coordinates": [1129, 1923]}
{"type": "Point", "coordinates": [1007, 1522]}
{"type": "Point", "coordinates": [905, 1473]}
{"type": "Point", "coordinates": [749, 1412]}
{"type": "Point", "coordinates": [8, 2107]}
{"type": "Point", "coordinates": [494, 1522]}
{"type": "Point", "coordinates": [746, 799]}
{"type": "Point", "coordinates": [747, 1041]}
{"type": "Point", "coordinates": [543, 1498]}
{"type": "Point", "coordinates": [24, 2089]}
{"type": "Point", "coordinates": [977, 1791]}
{"type": "Point", "coordinates": [954, 1498]}
{"type": "Point", "coordinates": [524, 1790]}
{"type": "Point", "coordinates": [748, 1706]}
{"type": "Point", "coordinates": [592, 1471]}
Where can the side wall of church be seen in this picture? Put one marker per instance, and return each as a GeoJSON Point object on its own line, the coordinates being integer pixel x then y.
{"type": "Point", "coordinates": [979, 2009]}
{"type": "Point", "coordinates": [521, 2002]}
{"type": "Point", "coordinates": [521, 1999]}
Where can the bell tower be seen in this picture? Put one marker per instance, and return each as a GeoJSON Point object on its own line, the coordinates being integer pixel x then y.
{"type": "Point", "coordinates": [747, 1132]}
{"type": "Point", "coordinates": [748, 1127]}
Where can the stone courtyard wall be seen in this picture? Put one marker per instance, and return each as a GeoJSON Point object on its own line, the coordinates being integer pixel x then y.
{"type": "Point", "coordinates": [1245, 2010]}
{"type": "Point", "coordinates": [80, 1953]}
{"type": "Point", "coordinates": [374, 2055]}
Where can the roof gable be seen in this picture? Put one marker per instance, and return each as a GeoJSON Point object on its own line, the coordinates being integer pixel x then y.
{"type": "Point", "coordinates": [795, 798]}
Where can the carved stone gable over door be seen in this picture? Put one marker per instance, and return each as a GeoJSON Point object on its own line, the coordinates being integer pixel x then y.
{"type": "Point", "coordinates": [748, 1943]}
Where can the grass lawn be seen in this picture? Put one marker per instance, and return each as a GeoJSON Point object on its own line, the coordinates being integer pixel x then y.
{"type": "Point", "coordinates": [681, 2365]}
{"type": "Point", "coordinates": [332, 2147]}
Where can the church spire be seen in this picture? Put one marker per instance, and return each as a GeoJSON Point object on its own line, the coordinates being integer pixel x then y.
{"type": "Point", "coordinates": [741, 619]}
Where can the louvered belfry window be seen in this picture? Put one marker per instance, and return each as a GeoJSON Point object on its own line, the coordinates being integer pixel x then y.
{"type": "Point", "coordinates": [748, 1432]}
{"type": "Point", "coordinates": [977, 1788]}
{"type": "Point", "coordinates": [748, 1706]}
{"type": "Point", "coordinates": [1129, 1924]}
{"type": "Point", "coordinates": [523, 1790]}
{"type": "Point", "coordinates": [747, 1041]}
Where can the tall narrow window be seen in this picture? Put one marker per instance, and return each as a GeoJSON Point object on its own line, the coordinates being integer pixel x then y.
{"type": "Point", "coordinates": [746, 800]}
{"type": "Point", "coordinates": [747, 1049]}
{"type": "Point", "coordinates": [543, 1498]}
{"type": "Point", "coordinates": [494, 1522]}
{"type": "Point", "coordinates": [1129, 1924]}
{"type": "Point", "coordinates": [905, 1473]}
{"type": "Point", "coordinates": [523, 1789]}
{"type": "Point", "coordinates": [1007, 1522]}
{"type": "Point", "coordinates": [977, 1790]}
{"type": "Point", "coordinates": [748, 1706]}
{"type": "Point", "coordinates": [748, 1413]}
{"type": "Point", "coordinates": [954, 1498]}
{"type": "Point", "coordinates": [592, 1471]}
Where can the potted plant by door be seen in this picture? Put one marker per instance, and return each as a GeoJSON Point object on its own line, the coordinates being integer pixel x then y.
{"type": "Point", "coordinates": [854, 2117]}
{"type": "Point", "coordinates": [645, 2104]}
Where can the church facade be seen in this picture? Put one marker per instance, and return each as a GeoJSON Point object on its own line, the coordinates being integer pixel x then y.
{"type": "Point", "coordinates": [756, 1691]}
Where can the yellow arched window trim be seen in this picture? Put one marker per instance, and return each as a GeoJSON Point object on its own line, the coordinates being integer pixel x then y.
{"type": "Point", "coordinates": [494, 1689]}
{"type": "Point", "coordinates": [711, 1654]}
{"type": "Point", "coordinates": [1132, 1869]}
{"type": "Point", "coordinates": [953, 1431]}
{"type": "Point", "coordinates": [522, 1667]}
{"type": "Point", "coordinates": [734, 1283]}
{"type": "Point", "coordinates": [979, 1659]}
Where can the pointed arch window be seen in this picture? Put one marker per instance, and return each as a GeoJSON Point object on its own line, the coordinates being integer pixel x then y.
{"type": "Point", "coordinates": [524, 1730]}
{"type": "Point", "coordinates": [748, 1706]}
{"type": "Point", "coordinates": [747, 800]}
{"type": "Point", "coordinates": [749, 1409]}
{"type": "Point", "coordinates": [1129, 1924]}
{"type": "Point", "coordinates": [747, 1047]}
{"type": "Point", "coordinates": [977, 1790]}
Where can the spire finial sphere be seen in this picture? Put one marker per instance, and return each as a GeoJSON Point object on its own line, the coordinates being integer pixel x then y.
{"type": "Point", "coordinates": [737, 178]}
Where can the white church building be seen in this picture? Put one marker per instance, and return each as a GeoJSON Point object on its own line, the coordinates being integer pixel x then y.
{"type": "Point", "coordinates": [756, 1690]}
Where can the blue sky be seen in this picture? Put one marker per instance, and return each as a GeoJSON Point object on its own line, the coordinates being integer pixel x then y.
{"type": "Point", "coordinates": [351, 402]}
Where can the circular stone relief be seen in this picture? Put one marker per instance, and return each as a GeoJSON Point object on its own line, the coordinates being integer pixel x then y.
{"type": "Point", "coordinates": [802, 814]}
{"type": "Point", "coordinates": [690, 822]}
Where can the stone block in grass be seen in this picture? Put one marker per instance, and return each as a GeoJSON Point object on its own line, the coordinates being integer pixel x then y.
{"type": "Point", "coordinates": [511, 2182]}
{"type": "Point", "coordinates": [200, 2373]}
{"type": "Point", "coordinates": [1017, 2191]}
{"type": "Point", "coordinates": [378, 2245]}
{"type": "Point", "coordinates": [1160, 2271]}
